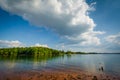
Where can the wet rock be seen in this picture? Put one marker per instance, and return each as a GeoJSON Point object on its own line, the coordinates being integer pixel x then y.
{"type": "Point", "coordinates": [107, 76]}
{"type": "Point", "coordinates": [65, 79]}
{"type": "Point", "coordinates": [114, 78]}
{"type": "Point", "coordinates": [30, 78]}
{"type": "Point", "coordinates": [78, 77]}
{"type": "Point", "coordinates": [7, 79]}
{"type": "Point", "coordinates": [95, 78]}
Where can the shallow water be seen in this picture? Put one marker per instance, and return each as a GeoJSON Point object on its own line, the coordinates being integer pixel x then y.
{"type": "Point", "coordinates": [75, 62]}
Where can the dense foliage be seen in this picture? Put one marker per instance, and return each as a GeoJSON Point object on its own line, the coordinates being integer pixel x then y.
{"type": "Point", "coordinates": [33, 51]}
{"type": "Point", "coordinates": [30, 51]}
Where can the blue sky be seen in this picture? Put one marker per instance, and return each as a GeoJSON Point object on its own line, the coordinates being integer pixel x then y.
{"type": "Point", "coordinates": [77, 25]}
{"type": "Point", "coordinates": [106, 15]}
{"type": "Point", "coordinates": [13, 27]}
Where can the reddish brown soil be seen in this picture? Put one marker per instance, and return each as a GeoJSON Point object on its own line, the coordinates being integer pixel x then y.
{"type": "Point", "coordinates": [54, 75]}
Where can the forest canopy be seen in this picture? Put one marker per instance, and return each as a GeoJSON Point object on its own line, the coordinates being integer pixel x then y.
{"type": "Point", "coordinates": [33, 51]}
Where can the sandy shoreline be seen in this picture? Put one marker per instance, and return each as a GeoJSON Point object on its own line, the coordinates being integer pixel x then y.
{"type": "Point", "coordinates": [54, 75]}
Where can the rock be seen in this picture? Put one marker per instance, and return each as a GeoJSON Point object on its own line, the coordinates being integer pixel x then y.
{"type": "Point", "coordinates": [7, 79]}
{"type": "Point", "coordinates": [65, 79]}
{"type": "Point", "coordinates": [78, 77]}
{"type": "Point", "coordinates": [95, 78]}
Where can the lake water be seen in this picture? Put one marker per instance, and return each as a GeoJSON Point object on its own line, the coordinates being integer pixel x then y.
{"type": "Point", "coordinates": [75, 62]}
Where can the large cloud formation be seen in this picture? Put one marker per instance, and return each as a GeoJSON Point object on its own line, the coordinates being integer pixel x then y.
{"type": "Point", "coordinates": [68, 18]}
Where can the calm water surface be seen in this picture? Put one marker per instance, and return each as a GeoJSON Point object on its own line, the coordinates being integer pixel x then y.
{"type": "Point", "coordinates": [75, 62]}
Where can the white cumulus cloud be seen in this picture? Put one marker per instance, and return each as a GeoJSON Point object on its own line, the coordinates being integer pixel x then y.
{"type": "Point", "coordinates": [6, 43]}
{"type": "Point", "coordinates": [40, 45]}
{"type": "Point", "coordinates": [68, 18]}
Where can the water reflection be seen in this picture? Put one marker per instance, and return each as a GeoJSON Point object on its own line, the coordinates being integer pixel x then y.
{"type": "Point", "coordinates": [39, 61]}
{"type": "Point", "coordinates": [76, 62]}
{"type": "Point", "coordinates": [23, 61]}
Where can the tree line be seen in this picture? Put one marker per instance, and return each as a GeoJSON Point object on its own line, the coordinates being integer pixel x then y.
{"type": "Point", "coordinates": [33, 51]}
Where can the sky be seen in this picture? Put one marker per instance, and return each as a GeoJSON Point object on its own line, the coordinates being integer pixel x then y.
{"type": "Point", "coordinates": [76, 25]}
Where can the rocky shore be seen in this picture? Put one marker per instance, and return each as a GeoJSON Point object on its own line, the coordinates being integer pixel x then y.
{"type": "Point", "coordinates": [54, 75]}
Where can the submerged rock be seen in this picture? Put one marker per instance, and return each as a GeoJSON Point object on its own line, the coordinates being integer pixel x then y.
{"type": "Point", "coordinates": [95, 78]}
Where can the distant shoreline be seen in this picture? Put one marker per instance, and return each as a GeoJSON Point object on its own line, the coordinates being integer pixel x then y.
{"type": "Point", "coordinates": [39, 51]}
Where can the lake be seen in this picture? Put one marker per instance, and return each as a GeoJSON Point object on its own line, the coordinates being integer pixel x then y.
{"type": "Point", "coordinates": [74, 62]}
